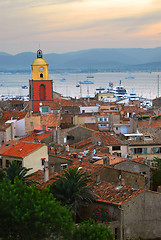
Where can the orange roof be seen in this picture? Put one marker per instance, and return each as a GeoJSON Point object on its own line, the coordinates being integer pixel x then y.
{"type": "Point", "coordinates": [50, 120]}
{"type": "Point", "coordinates": [84, 143]}
{"type": "Point", "coordinates": [154, 123]}
{"type": "Point", "coordinates": [31, 137]}
{"type": "Point", "coordinates": [108, 139]}
{"type": "Point", "coordinates": [12, 115]}
{"type": "Point", "coordinates": [110, 193]}
{"type": "Point", "coordinates": [38, 177]}
{"type": "Point", "coordinates": [93, 126]}
{"type": "Point", "coordinates": [115, 159]}
{"type": "Point", "coordinates": [19, 149]}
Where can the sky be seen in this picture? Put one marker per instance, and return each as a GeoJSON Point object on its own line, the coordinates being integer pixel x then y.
{"type": "Point", "coordinates": [58, 26]}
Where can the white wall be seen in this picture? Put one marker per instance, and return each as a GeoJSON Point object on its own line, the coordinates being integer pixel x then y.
{"type": "Point", "coordinates": [90, 109]}
{"type": "Point", "coordinates": [34, 161]}
{"type": "Point", "coordinates": [20, 128]}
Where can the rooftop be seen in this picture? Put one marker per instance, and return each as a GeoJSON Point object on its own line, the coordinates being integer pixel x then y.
{"type": "Point", "coordinates": [19, 149]}
{"type": "Point", "coordinates": [39, 136]}
{"type": "Point", "coordinates": [110, 193]}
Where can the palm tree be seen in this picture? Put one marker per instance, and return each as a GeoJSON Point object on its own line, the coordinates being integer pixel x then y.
{"type": "Point", "coordinates": [15, 170]}
{"type": "Point", "coordinates": [72, 189]}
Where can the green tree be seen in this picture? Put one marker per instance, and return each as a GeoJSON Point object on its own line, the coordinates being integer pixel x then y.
{"type": "Point", "coordinates": [156, 173]}
{"type": "Point", "coordinates": [90, 230]}
{"type": "Point", "coordinates": [2, 174]}
{"type": "Point", "coordinates": [30, 214]}
{"type": "Point", "coordinates": [72, 189]}
{"type": "Point", "coordinates": [15, 170]}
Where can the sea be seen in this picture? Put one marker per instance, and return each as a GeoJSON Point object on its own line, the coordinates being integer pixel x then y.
{"type": "Point", "coordinates": [144, 84]}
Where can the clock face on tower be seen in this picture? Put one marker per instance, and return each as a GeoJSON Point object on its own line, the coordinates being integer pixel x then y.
{"type": "Point", "coordinates": [41, 69]}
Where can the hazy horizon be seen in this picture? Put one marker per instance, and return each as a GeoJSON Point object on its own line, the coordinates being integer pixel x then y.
{"type": "Point", "coordinates": [77, 50]}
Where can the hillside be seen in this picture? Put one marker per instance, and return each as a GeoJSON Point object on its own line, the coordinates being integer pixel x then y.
{"type": "Point", "coordinates": [118, 59]}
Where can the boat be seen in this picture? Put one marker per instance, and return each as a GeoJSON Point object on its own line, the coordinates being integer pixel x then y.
{"type": "Point", "coordinates": [24, 87]}
{"type": "Point", "coordinates": [130, 77]}
{"type": "Point", "coordinates": [90, 76]}
{"type": "Point", "coordinates": [86, 82]}
{"type": "Point", "coordinates": [119, 91]}
{"type": "Point", "coordinates": [133, 96]}
{"type": "Point", "coordinates": [100, 89]}
{"type": "Point", "coordinates": [63, 80]}
{"type": "Point", "coordinates": [78, 85]}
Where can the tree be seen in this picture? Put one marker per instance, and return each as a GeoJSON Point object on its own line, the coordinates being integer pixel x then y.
{"type": "Point", "coordinates": [2, 174]}
{"type": "Point", "coordinates": [30, 214]}
{"type": "Point", "coordinates": [90, 230]}
{"type": "Point", "coordinates": [72, 189]}
{"type": "Point", "coordinates": [156, 173]}
{"type": "Point", "coordinates": [15, 170]}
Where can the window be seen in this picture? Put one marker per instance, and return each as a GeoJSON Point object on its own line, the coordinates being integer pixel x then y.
{"type": "Point", "coordinates": [30, 92]}
{"type": "Point", "coordinates": [63, 166]}
{"type": "Point", "coordinates": [31, 124]}
{"type": "Point", "coordinates": [103, 125]}
{"type": "Point", "coordinates": [41, 75]}
{"type": "Point", "coordinates": [0, 162]}
{"type": "Point", "coordinates": [119, 154]}
{"type": "Point", "coordinates": [69, 137]}
{"type": "Point", "coordinates": [116, 128]}
{"type": "Point", "coordinates": [42, 162]}
{"type": "Point", "coordinates": [114, 148]}
{"type": "Point", "coordinates": [7, 163]}
{"type": "Point", "coordinates": [45, 109]}
{"type": "Point", "coordinates": [138, 150]}
{"type": "Point", "coordinates": [42, 92]}
{"type": "Point", "coordinates": [116, 233]}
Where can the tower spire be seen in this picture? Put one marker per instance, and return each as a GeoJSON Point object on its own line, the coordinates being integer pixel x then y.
{"type": "Point", "coordinates": [39, 53]}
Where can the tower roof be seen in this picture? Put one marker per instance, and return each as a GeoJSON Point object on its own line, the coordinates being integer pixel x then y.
{"type": "Point", "coordinates": [39, 62]}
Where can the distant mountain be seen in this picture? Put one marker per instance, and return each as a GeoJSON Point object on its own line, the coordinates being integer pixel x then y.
{"type": "Point", "coordinates": [102, 59]}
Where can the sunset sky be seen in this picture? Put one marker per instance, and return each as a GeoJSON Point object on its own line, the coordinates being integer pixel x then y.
{"type": "Point", "coordinates": [69, 25]}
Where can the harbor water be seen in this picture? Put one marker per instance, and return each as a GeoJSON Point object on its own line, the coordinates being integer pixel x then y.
{"type": "Point", "coordinates": [144, 84]}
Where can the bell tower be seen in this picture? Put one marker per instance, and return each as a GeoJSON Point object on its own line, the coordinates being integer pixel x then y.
{"type": "Point", "coordinates": [40, 87]}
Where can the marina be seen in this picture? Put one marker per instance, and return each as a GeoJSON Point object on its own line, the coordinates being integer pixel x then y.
{"type": "Point", "coordinates": [144, 85]}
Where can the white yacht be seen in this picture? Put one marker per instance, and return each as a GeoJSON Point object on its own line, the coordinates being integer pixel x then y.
{"type": "Point", "coordinates": [133, 96]}
{"type": "Point", "coordinates": [120, 91]}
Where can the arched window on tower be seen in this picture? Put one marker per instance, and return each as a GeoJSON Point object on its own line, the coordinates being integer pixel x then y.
{"type": "Point", "coordinates": [41, 75]}
{"type": "Point", "coordinates": [30, 96]}
{"type": "Point", "coordinates": [42, 91]}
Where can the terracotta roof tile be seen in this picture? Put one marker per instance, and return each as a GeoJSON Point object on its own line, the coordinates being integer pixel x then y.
{"type": "Point", "coordinates": [4, 116]}
{"type": "Point", "coordinates": [93, 126]}
{"type": "Point", "coordinates": [83, 144]}
{"type": "Point", "coordinates": [38, 177]}
{"type": "Point", "coordinates": [50, 120]}
{"type": "Point", "coordinates": [31, 137]}
{"type": "Point", "coordinates": [153, 123]}
{"type": "Point", "coordinates": [108, 139]}
{"type": "Point", "coordinates": [20, 149]}
{"type": "Point", "coordinates": [105, 192]}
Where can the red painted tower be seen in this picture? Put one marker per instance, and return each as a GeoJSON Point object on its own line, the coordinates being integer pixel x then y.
{"type": "Point", "coordinates": [40, 87]}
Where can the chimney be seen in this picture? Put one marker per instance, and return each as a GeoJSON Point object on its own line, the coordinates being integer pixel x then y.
{"type": "Point", "coordinates": [106, 162]}
{"type": "Point", "coordinates": [97, 178]}
{"type": "Point", "coordinates": [46, 170]}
